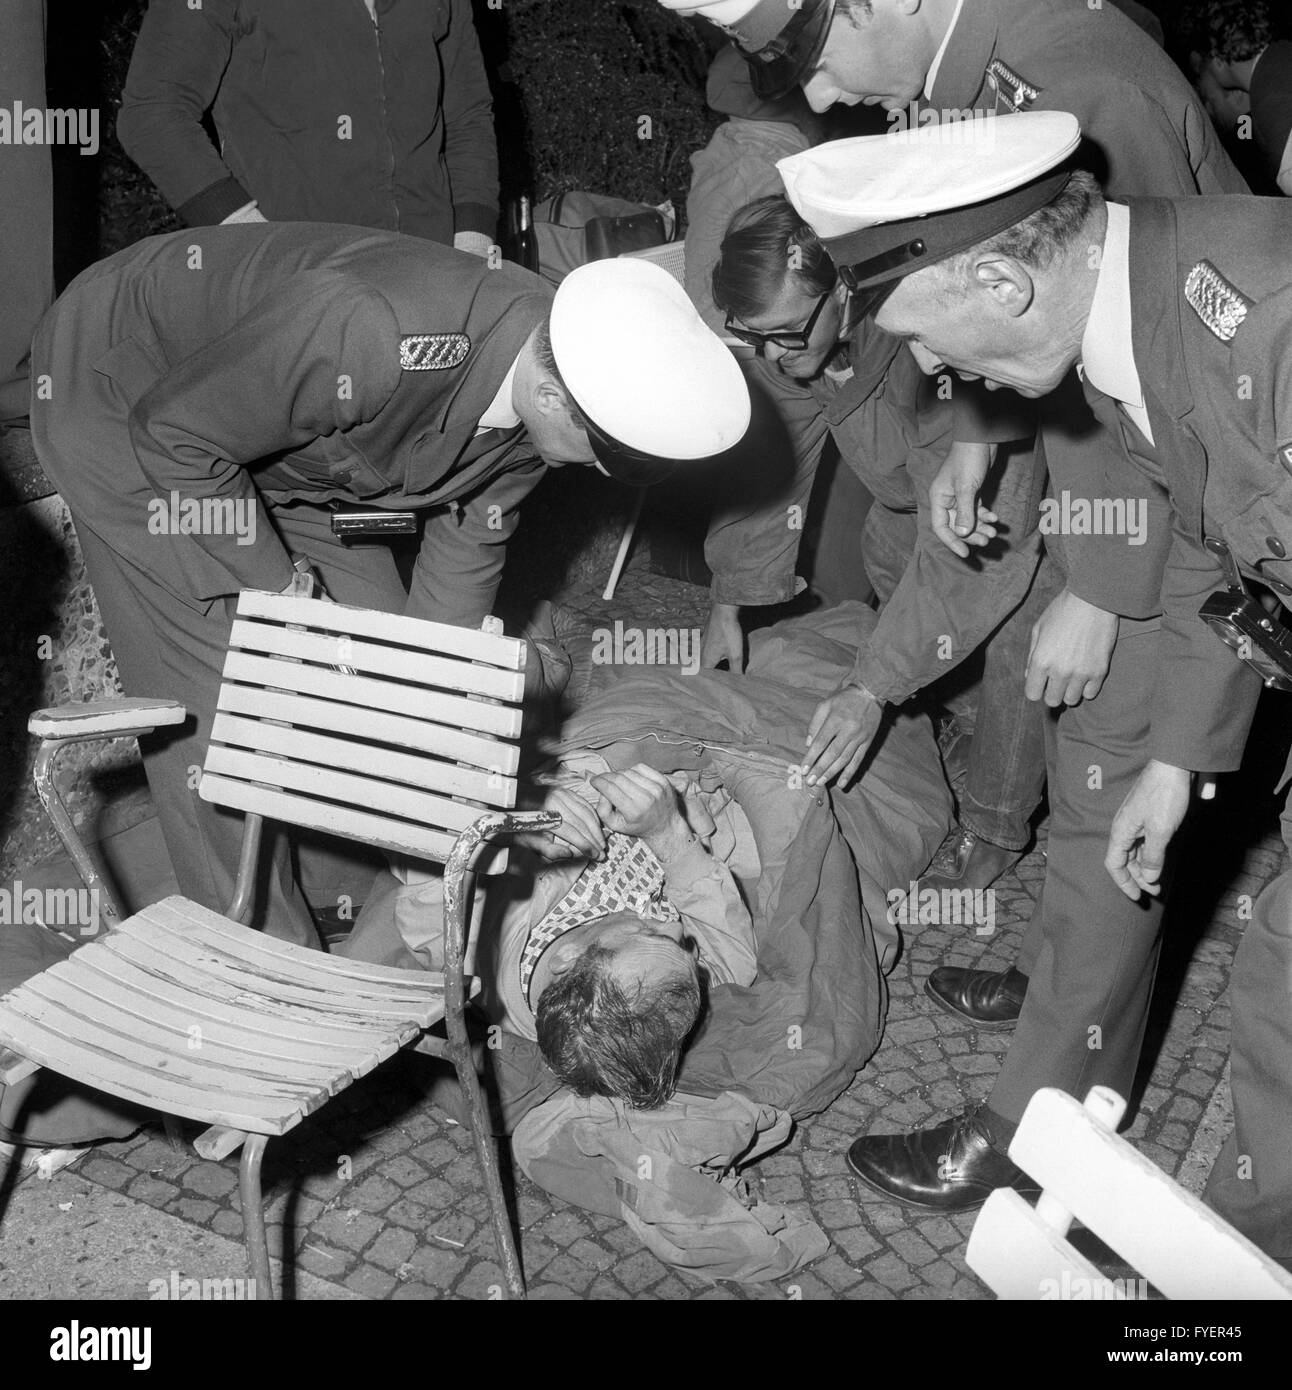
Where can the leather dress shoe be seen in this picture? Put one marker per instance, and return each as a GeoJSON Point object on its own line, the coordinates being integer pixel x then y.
{"type": "Point", "coordinates": [971, 863]}
{"type": "Point", "coordinates": [991, 999]}
{"type": "Point", "coordinates": [955, 1166]}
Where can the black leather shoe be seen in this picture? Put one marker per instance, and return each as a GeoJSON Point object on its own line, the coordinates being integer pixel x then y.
{"type": "Point", "coordinates": [990, 999]}
{"type": "Point", "coordinates": [970, 863]}
{"type": "Point", "coordinates": [954, 1166]}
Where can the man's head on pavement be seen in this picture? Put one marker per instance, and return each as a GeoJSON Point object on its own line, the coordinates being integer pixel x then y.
{"type": "Point", "coordinates": [617, 998]}
{"type": "Point", "coordinates": [779, 289]}
{"type": "Point", "coordinates": [977, 245]}
{"type": "Point", "coordinates": [625, 375]}
{"type": "Point", "coordinates": [873, 51]}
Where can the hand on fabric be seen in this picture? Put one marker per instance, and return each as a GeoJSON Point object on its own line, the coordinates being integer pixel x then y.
{"type": "Point", "coordinates": [723, 639]}
{"type": "Point", "coordinates": [1072, 645]}
{"type": "Point", "coordinates": [840, 733]}
{"type": "Point", "coordinates": [953, 499]}
{"type": "Point", "coordinates": [1143, 827]}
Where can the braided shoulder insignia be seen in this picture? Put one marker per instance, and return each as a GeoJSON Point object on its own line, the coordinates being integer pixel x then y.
{"type": "Point", "coordinates": [1018, 92]}
{"type": "Point", "coordinates": [1215, 301]}
{"type": "Point", "coordinates": [432, 352]}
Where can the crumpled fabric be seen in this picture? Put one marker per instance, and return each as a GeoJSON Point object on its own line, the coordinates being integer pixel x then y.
{"type": "Point", "coordinates": [787, 1045]}
{"type": "Point", "coordinates": [672, 1176]}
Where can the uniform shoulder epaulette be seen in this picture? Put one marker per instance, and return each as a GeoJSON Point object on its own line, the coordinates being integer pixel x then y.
{"type": "Point", "coordinates": [1016, 90]}
{"type": "Point", "coordinates": [432, 352]}
{"type": "Point", "coordinates": [1215, 301]}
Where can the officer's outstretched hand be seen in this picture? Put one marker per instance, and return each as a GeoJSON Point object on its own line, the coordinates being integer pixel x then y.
{"type": "Point", "coordinates": [1072, 644]}
{"type": "Point", "coordinates": [840, 733]}
{"type": "Point", "coordinates": [959, 520]}
{"type": "Point", "coordinates": [723, 638]}
{"type": "Point", "coordinates": [1143, 827]}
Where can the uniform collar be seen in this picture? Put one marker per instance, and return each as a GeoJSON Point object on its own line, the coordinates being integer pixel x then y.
{"type": "Point", "coordinates": [1107, 353]}
{"type": "Point", "coordinates": [942, 48]}
{"type": "Point", "coordinates": [960, 69]}
{"type": "Point", "coordinates": [501, 414]}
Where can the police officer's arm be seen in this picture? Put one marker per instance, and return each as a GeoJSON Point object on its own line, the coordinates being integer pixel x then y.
{"type": "Point", "coordinates": [317, 356]}
{"type": "Point", "coordinates": [943, 609]}
{"type": "Point", "coordinates": [1146, 151]}
{"type": "Point", "coordinates": [179, 58]}
{"type": "Point", "coordinates": [459, 565]}
{"type": "Point", "coordinates": [470, 146]}
{"type": "Point", "coordinates": [1203, 703]}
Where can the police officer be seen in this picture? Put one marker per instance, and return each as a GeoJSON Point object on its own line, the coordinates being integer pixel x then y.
{"type": "Point", "coordinates": [200, 399]}
{"type": "Point", "coordinates": [1182, 321]}
{"type": "Point", "coordinates": [1144, 133]}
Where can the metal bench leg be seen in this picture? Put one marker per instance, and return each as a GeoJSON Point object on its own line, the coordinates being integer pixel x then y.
{"type": "Point", "coordinates": [488, 1159]}
{"type": "Point", "coordinates": [253, 1214]}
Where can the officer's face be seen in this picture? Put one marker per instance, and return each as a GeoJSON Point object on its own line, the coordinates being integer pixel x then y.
{"type": "Point", "coordinates": [982, 329]}
{"type": "Point", "coordinates": [790, 312]}
{"type": "Point", "coordinates": [881, 59]}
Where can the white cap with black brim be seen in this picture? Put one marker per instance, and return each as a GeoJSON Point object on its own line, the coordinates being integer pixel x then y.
{"type": "Point", "coordinates": [656, 386]}
{"type": "Point", "coordinates": [886, 206]}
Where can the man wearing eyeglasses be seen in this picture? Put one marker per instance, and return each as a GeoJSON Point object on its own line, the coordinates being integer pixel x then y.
{"type": "Point", "coordinates": [205, 400]}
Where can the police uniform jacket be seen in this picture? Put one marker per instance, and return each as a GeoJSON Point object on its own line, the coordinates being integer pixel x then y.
{"type": "Point", "coordinates": [1215, 365]}
{"type": "Point", "coordinates": [266, 364]}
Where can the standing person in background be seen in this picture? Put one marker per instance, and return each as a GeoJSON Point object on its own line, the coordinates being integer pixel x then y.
{"type": "Point", "coordinates": [1244, 76]}
{"type": "Point", "coordinates": [325, 113]}
{"type": "Point", "coordinates": [27, 207]}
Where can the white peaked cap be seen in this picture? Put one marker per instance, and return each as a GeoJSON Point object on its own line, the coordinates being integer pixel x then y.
{"type": "Point", "coordinates": [887, 205]}
{"type": "Point", "coordinates": [641, 364]}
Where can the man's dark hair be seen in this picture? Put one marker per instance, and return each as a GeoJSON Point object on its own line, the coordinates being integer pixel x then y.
{"type": "Point", "coordinates": [547, 361]}
{"type": "Point", "coordinates": [1231, 30]}
{"type": "Point", "coordinates": [601, 1040]}
{"type": "Point", "coordinates": [766, 242]}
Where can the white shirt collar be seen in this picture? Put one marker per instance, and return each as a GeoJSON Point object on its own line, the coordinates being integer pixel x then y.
{"type": "Point", "coordinates": [938, 56]}
{"type": "Point", "coordinates": [501, 414]}
{"type": "Point", "coordinates": [1107, 353]}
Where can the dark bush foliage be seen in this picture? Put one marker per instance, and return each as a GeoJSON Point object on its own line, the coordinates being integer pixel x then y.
{"type": "Point", "coordinates": [610, 95]}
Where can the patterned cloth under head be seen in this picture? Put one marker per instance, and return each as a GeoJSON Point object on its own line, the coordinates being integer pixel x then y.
{"type": "Point", "coordinates": [628, 879]}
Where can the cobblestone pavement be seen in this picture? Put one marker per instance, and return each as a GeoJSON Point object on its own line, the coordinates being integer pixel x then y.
{"type": "Point", "coordinates": [381, 1194]}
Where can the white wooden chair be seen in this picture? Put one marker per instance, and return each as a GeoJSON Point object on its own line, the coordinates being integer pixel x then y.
{"type": "Point", "coordinates": [387, 730]}
{"type": "Point", "coordinates": [1087, 1172]}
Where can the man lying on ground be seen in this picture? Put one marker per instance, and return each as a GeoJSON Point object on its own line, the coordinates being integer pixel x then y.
{"type": "Point", "coordinates": [602, 952]}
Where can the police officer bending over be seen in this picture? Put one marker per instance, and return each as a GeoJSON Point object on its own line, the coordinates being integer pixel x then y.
{"type": "Point", "coordinates": [201, 398]}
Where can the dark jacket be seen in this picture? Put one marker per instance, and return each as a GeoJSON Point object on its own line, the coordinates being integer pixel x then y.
{"type": "Point", "coordinates": [322, 115]}
{"type": "Point", "coordinates": [262, 364]}
{"type": "Point", "coordinates": [1221, 414]}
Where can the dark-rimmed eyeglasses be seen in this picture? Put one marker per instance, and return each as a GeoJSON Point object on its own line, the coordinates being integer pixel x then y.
{"type": "Point", "coordinates": [791, 342]}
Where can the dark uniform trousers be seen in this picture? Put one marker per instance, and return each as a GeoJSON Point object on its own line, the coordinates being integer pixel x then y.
{"type": "Point", "coordinates": [1090, 952]}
